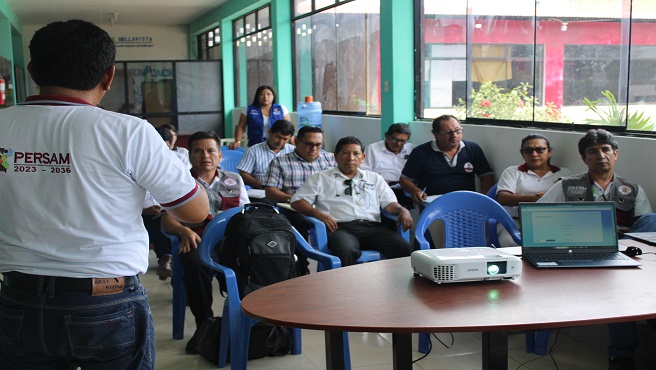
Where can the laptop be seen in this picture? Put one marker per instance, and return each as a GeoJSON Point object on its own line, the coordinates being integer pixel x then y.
{"type": "Point", "coordinates": [576, 234]}
{"type": "Point", "coordinates": [645, 237]}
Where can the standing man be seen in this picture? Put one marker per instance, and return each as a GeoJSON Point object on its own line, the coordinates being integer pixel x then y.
{"type": "Point", "coordinates": [71, 238]}
{"type": "Point", "coordinates": [254, 164]}
{"type": "Point", "coordinates": [289, 171]}
{"type": "Point", "coordinates": [388, 157]}
{"type": "Point", "coordinates": [445, 164]}
{"type": "Point", "coordinates": [348, 200]}
{"type": "Point", "coordinates": [599, 151]}
{"type": "Point", "coordinates": [225, 190]}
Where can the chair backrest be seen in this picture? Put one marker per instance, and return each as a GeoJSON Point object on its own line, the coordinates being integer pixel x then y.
{"type": "Point", "coordinates": [492, 193]}
{"type": "Point", "coordinates": [230, 160]}
{"type": "Point", "coordinates": [465, 215]}
{"type": "Point", "coordinates": [226, 148]}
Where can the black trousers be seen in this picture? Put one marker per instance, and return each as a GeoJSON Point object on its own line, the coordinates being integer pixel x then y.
{"type": "Point", "coordinates": [350, 238]}
{"type": "Point", "coordinates": [197, 279]}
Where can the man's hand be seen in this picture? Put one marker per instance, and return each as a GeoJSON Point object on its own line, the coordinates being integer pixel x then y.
{"type": "Point", "coordinates": [152, 210]}
{"type": "Point", "coordinates": [404, 219]}
{"type": "Point", "coordinates": [188, 240]}
{"type": "Point", "coordinates": [330, 223]}
{"type": "Point", "coordinates": [234, 145]}
{"type": "Point", "coordinates": [419, 197]}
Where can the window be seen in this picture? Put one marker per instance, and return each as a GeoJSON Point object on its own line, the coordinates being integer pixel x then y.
{"type": "Point", "coordinates": [569, 61]}
{"type": "Point", "coordinates": [253, 54]}
{"type": "Point", "coordinates": [209, 45]}
{"type": "Point", "coordinates": [336, 54]}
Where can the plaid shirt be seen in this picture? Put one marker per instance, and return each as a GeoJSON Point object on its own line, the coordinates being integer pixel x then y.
{"type": "Point", "coordinates": [288, 172]}
{"type": "Point", "coordinates": [257, 158]}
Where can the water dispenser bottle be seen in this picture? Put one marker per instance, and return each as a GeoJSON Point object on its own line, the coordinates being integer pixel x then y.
{"type": "Point", "coordinates": [309, 113]}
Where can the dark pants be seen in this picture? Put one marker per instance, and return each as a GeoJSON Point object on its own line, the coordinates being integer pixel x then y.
{"type": "Point", "coordinates": [350, 238]}
{"type": "Point", "coordinates": [197, 279]}
{"type": "Point", "coordinates": [49, 329]}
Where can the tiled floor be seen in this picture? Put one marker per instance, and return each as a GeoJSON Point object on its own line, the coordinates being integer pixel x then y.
{"type": "Point", "coordinates": [574, 348]}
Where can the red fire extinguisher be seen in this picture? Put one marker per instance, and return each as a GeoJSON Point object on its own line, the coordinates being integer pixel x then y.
{"type": "Point", "coordinates": [2, 91]}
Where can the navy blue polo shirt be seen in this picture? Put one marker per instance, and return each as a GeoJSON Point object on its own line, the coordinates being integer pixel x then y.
{"type": "Point", "coordinates": [429, 169]}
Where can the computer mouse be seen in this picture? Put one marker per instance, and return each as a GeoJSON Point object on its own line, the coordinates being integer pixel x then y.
{"type": "Point", "coordinates": [632, 251]}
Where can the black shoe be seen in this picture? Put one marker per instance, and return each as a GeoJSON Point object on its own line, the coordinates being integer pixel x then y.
{"type": "Point", "coordinates": [164, 269]}
{"type": "Point", "coordinates": [192, 346]}
{"type": "Point", "coordinates": [621, 363]}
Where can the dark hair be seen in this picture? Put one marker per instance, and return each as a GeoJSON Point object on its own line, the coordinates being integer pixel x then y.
{"type": "Point", "coordinates": [256, 100]}
{"type": "Point", "coordinates": [445, 117]}
{"type": "Point", "coordinates": [595, 137]}
{"type": "Point", "coordinates": [348, 140]}
{"type": "Point", "coordinates": [535, 136]}
{"type": "Point", "coordinates": [74, 54]}
{"type": "Point", "coordinates": [165, 133]}
{"type": "Point", "coordinates": [283, 126]}
{"type": "Point", "coordinates": [308, 129]}
{"type": "Point", "coordinates": [170, 127]}
{"type": "Point", "coordinates": [399, 128]}
{"type": "Point", "coordinates": [204, 135]}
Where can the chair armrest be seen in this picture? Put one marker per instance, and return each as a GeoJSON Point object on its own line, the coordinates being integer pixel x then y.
{"type": "Point", "coordinates": [320, 234]}
{"type": "Point", "coordinates": [329, 262]}
{"type": "Point", "coordinates": [405, 234]}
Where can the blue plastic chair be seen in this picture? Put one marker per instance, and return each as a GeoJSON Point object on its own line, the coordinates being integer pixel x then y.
{"type": "Point", "coordinates": [237, 332]}
{"type": "Point", "coordinates": [319, 240]}
{"type": "Point", "coordinates": [230, 160]}
{"type": "Point", "coordinates": [226, 148]}
{"type": "Point", "coordinates": [466, 216]}
{"type": "Point", "coordinates": [492, 193]}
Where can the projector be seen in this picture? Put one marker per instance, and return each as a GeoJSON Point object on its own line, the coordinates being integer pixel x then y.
{"type": "Point", "coordinates": [453, 265]}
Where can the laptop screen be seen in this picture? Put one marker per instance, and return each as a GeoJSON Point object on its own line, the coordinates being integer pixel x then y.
{"type": "Point", "coordinates": [576, 226]}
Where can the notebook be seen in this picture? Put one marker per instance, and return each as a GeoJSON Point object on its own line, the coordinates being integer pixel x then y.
{"type": "Point", "coordinates": [646, 237]}
{"type": "Point", "coordinates": [576, 234]}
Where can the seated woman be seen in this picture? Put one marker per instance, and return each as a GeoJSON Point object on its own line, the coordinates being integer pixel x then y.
{"type": "Point", "coordinates": [528, 181]}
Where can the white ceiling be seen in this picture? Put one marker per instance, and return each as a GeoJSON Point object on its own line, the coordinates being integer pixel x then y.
{"type": "Point", "coordinates": [130, 12]}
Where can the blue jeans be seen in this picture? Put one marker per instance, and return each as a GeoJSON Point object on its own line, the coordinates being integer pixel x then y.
{"type": "Point", "coordinates": [70, 329]}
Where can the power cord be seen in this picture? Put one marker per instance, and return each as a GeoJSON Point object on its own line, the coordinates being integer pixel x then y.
{"type": "Point", "coordinates": [550, 354]}
{"type": "Point", "coordinates": [430, 345]}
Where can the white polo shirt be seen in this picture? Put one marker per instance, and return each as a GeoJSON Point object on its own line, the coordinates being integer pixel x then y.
{"type": "Point", "coordinates": [73, 181]}
{"type": "Point", "coordinates": [521, 180]}
{"type": "Point", "coordinates": [382, 161]}
{"type": "Point", "coordinates": [326, 190]}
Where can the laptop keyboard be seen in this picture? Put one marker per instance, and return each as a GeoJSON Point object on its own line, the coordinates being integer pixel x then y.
{"type": "Point", "coordinates": [577, 257]}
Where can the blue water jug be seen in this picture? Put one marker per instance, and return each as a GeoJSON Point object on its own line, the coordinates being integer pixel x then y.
{"type": "Point", "coordinates": [309, 113]}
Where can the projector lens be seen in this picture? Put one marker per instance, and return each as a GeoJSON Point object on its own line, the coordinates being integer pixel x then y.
{"type": "Point", "coordinates": [495, 268]}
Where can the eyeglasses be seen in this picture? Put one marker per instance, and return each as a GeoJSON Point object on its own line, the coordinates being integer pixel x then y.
{"type": "Point", "coordinates": [349, 191]}
{"type": "Point", "coordinates": [312, 145]}
{"type": "Point", "coordinates": [398, 141]}
{"type": "Point", "coordinates": [450, 133]}
{"type": "Point", "coordinates": [529, 151]}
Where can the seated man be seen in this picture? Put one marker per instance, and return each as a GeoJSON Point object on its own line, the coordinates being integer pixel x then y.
{"type": "Point", "coordinates": [387, 158]}
{"type": "Point", "coordinates": [225, 190]}
{"type": "Point", "coordinates": [348, 200]}
{"type": "Point", "coordinates": [445, 164]}
{"type": "Point", "coordinates": [254, 164]}
{"type": "Point", "coordinates": [289, 171]}
{"type": "Point", "coordinates": [599, 151]}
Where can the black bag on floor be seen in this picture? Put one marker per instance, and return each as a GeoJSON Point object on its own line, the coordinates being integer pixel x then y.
{"type": "Point", "coordinates": [265, 340]}
{"type": "Point", "coordinates": [259, 247]}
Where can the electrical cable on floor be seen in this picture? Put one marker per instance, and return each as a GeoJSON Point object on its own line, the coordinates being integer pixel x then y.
{"type": "Point", "coordinates": [550, 354]}
{"type": "Point", "coordinates": [430, 345]}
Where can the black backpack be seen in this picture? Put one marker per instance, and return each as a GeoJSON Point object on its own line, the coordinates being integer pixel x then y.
{"type": "Point", "coordinates": [259, 247]}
